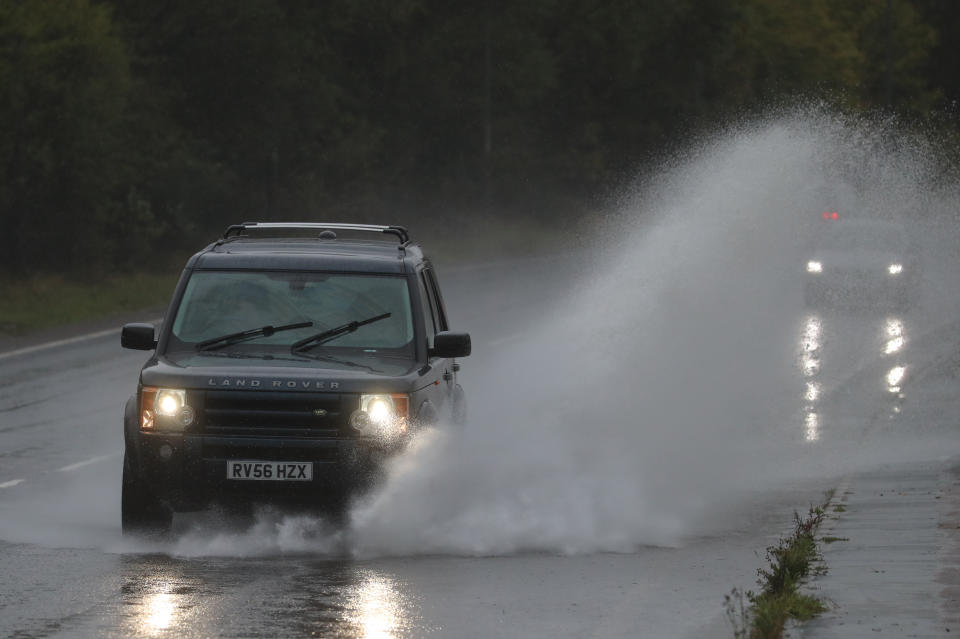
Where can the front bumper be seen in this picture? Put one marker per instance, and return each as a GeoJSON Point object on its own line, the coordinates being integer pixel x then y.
{"type": "Point", "coordinates": [189, 471]}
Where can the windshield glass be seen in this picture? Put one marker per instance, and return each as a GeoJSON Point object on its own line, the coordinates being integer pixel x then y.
{"type": "Point", "coordinates": [220, 303]}
{"type": "Point", "coordinates": [863, 237]}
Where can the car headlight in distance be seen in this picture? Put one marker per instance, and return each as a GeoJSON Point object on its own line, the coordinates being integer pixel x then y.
{"type": "Point", "coordinates": [382, 414]}
{"type": "Point", "coordinates": [895, 269]}
{"type": "Point", "coordinates": [164, 409]}
{"type": "Point", "coordinates": [814, 267]}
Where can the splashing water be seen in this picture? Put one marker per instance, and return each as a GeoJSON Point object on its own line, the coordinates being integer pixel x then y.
{"type": "Point", "coordinates": [665, 385]}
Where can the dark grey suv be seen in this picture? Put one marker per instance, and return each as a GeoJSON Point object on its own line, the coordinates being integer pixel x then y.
{"type": "Point", "coordinates": [293, 360]}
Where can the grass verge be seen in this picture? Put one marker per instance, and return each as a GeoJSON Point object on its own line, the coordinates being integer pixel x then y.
{"type": "Point", "coordinates": [762, 615]}
{"type": "Point", "coordinates": [45, 301]}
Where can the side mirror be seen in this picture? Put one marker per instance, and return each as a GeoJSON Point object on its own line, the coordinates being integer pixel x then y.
{"type": "Point", "coordinates": [139, 337]}
{"type": "Point", "coordinates": [447, 344]}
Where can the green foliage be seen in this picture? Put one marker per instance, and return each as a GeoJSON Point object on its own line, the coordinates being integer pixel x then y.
{"type": "Point", "coordinates": [44, 301]}
{"type": "Point", "coordinates": [895, 44]}
{"type": "Point", "coordinates": [63, 84]}
{"type": "Point", "coordinates": [797, 48]}
{"type": "Point", "coordinates": [789, 561]}
{"type": "Point", "coordinates": [133, 129]}
{"type": "Point", "coordinates": [771, 612]}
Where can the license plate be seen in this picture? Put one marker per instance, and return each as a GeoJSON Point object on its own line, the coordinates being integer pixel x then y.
{"type": "Point", "coordinates": [269, 471]}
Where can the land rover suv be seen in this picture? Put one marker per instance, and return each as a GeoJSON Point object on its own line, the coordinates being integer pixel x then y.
{"type": "Point", "coordinates": [293, 360]}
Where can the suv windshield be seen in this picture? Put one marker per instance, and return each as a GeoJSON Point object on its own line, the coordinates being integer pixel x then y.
{"type": "Point", "coordinates": [863, 237]}
{"type": "Point", "coordinates": [222, 303]}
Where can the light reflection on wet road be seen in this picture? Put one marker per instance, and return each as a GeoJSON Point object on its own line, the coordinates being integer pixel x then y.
{"type": "Point", "coordinates": [67, 571]}
{"type": "Point", "coordinates": [838, 350]}
{"type": "Point", "coordinates": [70, 574]}
{"type": "Point", "coordinates": [300, 596]}
{"type": "Point", "coordinates": [87, 593]}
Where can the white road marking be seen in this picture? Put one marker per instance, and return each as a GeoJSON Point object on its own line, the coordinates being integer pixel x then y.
{"type": "Point", "coordinates": [12, 483]}
{"type": "Point", "coordinates": [64, 342]}
{"type": "Point", "coordinates": [87, 462]}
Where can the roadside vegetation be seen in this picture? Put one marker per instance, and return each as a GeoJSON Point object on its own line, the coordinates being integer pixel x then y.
{"type": "Point", "coordinates": [763, 614]}
{"type": "Point", "coordinates": [135, 128]}
{"type": "Point", "coordinates": [44, 301]}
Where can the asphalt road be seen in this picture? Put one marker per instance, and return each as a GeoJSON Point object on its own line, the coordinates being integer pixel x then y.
{"type": "Point", "coordinates": [68, 572]}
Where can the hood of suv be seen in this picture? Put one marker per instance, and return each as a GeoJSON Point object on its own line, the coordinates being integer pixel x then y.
{"type": "Point", "coordinates": [271, 373]}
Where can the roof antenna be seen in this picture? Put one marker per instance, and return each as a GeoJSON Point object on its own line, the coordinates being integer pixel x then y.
{"type": "Point", "coordinates": [327, 235]}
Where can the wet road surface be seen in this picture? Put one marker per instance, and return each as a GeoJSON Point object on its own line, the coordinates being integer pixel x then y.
{"type": "Point", "coordinates": [68, 572]}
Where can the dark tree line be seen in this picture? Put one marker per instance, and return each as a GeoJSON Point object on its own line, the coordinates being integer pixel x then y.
{"type": "Point", "coordinates": [134, 128]}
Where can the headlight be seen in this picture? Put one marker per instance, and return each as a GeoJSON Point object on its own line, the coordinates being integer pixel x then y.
{"type": "Point", "coordinates": [382, 415]}
{"type": "Point", "coordinates": [379, 409]}
{"type": "Point", "coordinates": [164, 409]}
{"type": "Point", "coordinates": [895, 269]}
{"type": "Point", "coordinates": [814, 267]}
{"type": "Point", "coordinates": [169, 402]}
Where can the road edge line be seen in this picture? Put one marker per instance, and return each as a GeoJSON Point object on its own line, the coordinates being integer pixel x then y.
{"type": "Point", "coordinates": [65, 342]}
{"type": "Point", "coordinates": [88, 462]}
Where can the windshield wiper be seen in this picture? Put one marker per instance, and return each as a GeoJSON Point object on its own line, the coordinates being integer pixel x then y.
{"type": "Point", "coordinates": [255, 355]}
{"type": "Point", "coordinates": [333, 333]}
{"type": "Point", "coordinates": [243, 336]}
{"type": "Point", "coordinates": [336, 360]}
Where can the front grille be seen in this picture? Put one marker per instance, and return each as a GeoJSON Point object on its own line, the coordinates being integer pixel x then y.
{"type": "Point", "coordinates": [279, 414]}
{"type": "Point", "coordinates": [236, 449]}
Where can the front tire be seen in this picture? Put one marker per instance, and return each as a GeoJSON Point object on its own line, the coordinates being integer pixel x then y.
{"type": "Point", "coordinates": [141, 513]}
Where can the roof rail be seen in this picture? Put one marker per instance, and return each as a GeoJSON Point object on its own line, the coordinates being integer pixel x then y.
{"type": "Point", "coordinates": [237, 230]}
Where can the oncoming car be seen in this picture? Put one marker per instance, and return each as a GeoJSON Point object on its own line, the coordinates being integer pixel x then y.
{"type": "Point", "coordinates": [291, 364]}
{"type": "Point", "coordinates": [861, 262]}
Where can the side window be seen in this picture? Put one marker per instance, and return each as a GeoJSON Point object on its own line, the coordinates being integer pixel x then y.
{"type": "Point", "coordinates": [436, 301]}
{"type": "Point", "coordinates": [430, 322]}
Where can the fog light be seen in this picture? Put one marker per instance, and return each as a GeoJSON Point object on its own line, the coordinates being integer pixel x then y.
{"type": "Point", "coordinates": [186, 416]}
{"type": "Point", "coordinates": [166, 452]}
{"type": "Point", "coordinates": [359, 420]}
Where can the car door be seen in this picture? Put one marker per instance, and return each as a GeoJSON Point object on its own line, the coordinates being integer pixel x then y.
{"type": "Point", "coordinates": [440, 392]}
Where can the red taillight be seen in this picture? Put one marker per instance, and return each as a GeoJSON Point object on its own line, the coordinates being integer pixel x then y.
{"type": "Point", "coordinates": [831, 215]}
